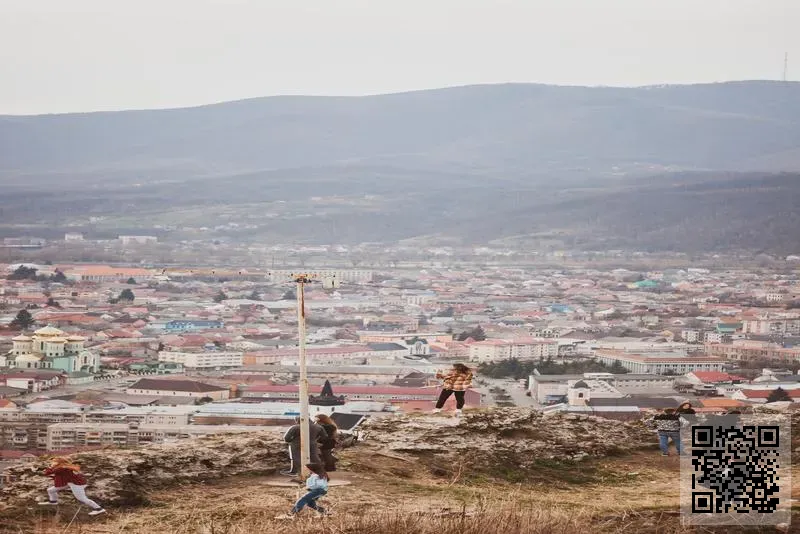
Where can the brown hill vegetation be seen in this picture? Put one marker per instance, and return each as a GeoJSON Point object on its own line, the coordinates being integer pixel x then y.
{"type": "Point", "coordinates": [507, 471]}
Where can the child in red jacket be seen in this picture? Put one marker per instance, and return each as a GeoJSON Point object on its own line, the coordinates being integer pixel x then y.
{"type": "Point", "coordinates": [68, 475]}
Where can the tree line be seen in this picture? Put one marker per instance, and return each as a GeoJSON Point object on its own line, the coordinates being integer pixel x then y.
{"type": "Point", "coordinates": [519, 369]}
{"type": "Point", "coordinates": [30, 273]}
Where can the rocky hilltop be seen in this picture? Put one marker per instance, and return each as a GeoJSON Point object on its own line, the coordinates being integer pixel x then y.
{"type": "Point", "coordinates": [506, 471]}
{"type": "Point", "coordinates": [489, 442]}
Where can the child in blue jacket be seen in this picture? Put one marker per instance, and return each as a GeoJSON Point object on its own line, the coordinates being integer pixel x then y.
{"type": "Point", "coordinates": [317, 486]}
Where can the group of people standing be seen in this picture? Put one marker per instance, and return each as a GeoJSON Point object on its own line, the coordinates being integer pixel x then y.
{"type": "Point", "coordinates": [323, 436]}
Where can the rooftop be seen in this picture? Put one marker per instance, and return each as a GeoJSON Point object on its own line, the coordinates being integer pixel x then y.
{"type": "Point", "coordinates": [190, 386]}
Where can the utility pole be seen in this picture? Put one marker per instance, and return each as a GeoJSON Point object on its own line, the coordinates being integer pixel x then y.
{"type": "Point", "coordinates": [305, 438]}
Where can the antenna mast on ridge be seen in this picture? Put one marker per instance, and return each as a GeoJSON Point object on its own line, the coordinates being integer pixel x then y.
{"type": "Point", "coordinates": [785, 66]}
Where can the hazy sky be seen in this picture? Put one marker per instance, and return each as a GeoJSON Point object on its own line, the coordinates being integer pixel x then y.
{"type": "Point", "coordinates": [81, 55]}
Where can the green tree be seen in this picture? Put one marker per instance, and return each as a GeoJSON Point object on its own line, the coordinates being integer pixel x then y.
{"type": "Point", "coordinates": [518, 369]}
{"type": "Point", "coordinates": [617, 368]}
{"type": "Point", "coordinates": [59, 277]}
{"type": "Point", "coordinates": [126, 295]}
{"type": "Point", "coordinates": [53, 303]}
{"type": "Point", "coordinates": [204, 400]}
{"type": "Point", "coordinates": [131, 281]}
{"type": "Point", "coordinates": [23, 320]}
{"type": "Point", "coordinates": [23, 273]}
{"type": "Point", "coordinates": [219, 297]}
{"type": "Point", "coordinates": [779, 395]}
{"type": "Point", "coordinates": [476, 333]}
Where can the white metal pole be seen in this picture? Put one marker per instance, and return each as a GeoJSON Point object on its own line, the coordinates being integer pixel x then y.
{"type": "Point", "coordinates": [305, 443]}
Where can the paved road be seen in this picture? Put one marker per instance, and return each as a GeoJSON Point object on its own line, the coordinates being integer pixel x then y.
{"type": "Point", "coordinates": [513, 389]}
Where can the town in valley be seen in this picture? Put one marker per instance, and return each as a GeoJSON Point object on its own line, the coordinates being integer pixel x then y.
{"type": "Point", "coordinates": [97, 355]}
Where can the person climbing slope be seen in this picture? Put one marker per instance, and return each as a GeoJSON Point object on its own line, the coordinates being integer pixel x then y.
{"type": "Point", "coordinates": [456, 382]}
{"type": "Point", "coordinates": [68, 475]}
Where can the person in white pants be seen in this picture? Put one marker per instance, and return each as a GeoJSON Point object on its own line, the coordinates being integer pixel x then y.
{"type": "Point", "coordinates": [78, 491]}
{"type": "Point", "coordinates": [67, 475]}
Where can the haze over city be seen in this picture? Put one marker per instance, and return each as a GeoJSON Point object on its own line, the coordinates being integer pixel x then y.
{"type": "Point", "coordinates": [87, 55]}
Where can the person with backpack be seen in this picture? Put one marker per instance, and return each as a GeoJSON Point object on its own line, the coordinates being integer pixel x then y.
{"type": "Point", "coordinates": [68, 475]}
{"type": "Point", "coordinates": [456, 382]}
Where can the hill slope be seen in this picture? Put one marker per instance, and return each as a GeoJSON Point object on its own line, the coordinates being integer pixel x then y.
{"type": "Point", "coordinates": [508, 471]}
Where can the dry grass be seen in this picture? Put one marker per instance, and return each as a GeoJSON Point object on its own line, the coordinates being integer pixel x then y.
{"type": "Point", "coordinates": [500, 517]}
{"type": "Point", "coordinates": [380, 500]}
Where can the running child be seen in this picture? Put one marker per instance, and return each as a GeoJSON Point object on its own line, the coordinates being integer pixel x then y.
{"type": "Point", "coordinates": [68, 475]}
{"type": "Point", "coordinates": [317, 486]}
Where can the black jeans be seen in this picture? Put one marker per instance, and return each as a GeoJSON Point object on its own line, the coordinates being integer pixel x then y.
{"type": "Point", "coordinates": [445, 394]}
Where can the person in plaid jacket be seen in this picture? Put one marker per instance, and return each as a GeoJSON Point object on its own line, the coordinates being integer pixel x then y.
{"type": "Point", "coordinates": [456, 382]}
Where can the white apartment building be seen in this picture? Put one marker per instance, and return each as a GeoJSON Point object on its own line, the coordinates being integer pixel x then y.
{"type": "Point", "coordinates": [713, 337]}
{"type": "Point", "coordinates": [73, 237]}
{"type": "Point", "coordinates": [203, 360]}
{"type": "Point", "coordinates": [772, 326]}
{"type": "Point", "coordinates": [62, 436]}
{"type": "Point", "coordinates": [165, 415]}
{"type": "Point", "coordinates": [659, 363]}
{"type": "Point", "coordinates": [492, 350]}
{"type": "Point", "coordinates": [137, 239]}
{"type": "Point", "coordinates": [690, 336]}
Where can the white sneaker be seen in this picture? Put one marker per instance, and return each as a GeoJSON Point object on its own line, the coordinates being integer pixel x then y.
{"type": "Point", "coordinates": [436, 410]}
{"type": "Point", "coordinates": [47, 503]}
{"type": "Point", "coordinates": [97, 512]}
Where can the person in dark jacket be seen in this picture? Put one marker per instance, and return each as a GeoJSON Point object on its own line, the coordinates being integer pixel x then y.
{"type": "Point", "coordinates": [327, 445]}
{"type": "Point", "coordinates": [668, 425]}
{"type": "Point", "coordinates": [315, 433]}
{"type": "Point", "coordinates": [68, 475]}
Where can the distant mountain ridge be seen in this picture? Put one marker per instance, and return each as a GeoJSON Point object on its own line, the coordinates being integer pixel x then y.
{"type": "Point", "coordinates": [511, 128]}
{"type": "Point", "coordinates": [693, 168]}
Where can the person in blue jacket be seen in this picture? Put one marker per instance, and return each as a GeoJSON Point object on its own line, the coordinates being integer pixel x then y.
{"type": "Point", "coordinates": [316, 486]}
